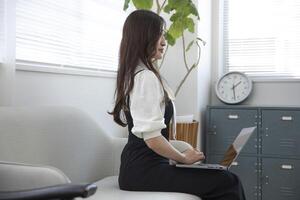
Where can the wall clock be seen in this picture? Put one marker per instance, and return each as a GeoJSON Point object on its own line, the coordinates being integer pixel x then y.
{"type": "Point", "coordinates": [233, 87]}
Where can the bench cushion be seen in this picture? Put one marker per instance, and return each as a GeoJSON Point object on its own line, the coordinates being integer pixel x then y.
{"type": "Point", "coordinates": [108, 189]}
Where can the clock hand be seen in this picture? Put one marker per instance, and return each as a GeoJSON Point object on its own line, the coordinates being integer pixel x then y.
{"type": "Point", "coordinates": [233, 92]}
{"type": "Point", "coordinates": [232, 86]}
{"type": "Point", "coordinates": [237, 84]}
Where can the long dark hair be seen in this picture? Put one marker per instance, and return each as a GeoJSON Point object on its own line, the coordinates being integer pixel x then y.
{"type": "Point", "coordinates": [141, 32]}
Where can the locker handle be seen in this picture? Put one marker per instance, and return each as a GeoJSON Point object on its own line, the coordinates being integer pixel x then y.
{"type": "Point", "coordinates": [266, 180]}
{"type": "Point", "coordinates": [286, 118]}
{"type": "Point", "coordinates": [233, 116]}
{"type": "Point", "coordinates": [288, 167]}
{"type": "Point", "coordinates": [212, 132]}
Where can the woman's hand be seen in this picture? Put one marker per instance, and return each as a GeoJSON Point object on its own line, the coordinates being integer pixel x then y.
{"type": "Point", "coordinates": [185, 154]}
{"type": "Point", "coordinates": [192, 156]}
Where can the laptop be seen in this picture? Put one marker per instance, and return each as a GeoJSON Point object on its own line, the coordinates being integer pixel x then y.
{"type": "Point", "coordinates": [230, 155]}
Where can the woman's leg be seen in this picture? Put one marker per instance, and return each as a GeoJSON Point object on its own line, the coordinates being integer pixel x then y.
{"type": "Point", "coordinates": [229, 187]}
{"type": "Point", "coordinates": [207, 184]}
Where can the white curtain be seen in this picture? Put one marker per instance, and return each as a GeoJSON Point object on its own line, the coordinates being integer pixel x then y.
{"type": "Point", "coordinates": [7, 51]}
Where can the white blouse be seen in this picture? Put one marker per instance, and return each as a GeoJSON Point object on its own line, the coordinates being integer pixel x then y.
{"type": "Point", "coordinates": [147, 105]}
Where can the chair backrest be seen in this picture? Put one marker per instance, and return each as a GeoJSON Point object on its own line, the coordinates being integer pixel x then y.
{"type": "Point", "coordinates": [62, 137]}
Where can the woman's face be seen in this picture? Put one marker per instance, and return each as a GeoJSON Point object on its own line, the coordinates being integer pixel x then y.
{"type": "Point", "coordinates": [159, 50]}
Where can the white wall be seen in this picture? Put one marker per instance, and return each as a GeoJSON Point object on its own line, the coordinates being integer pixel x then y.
{"type": "Point", "coordinates": [6, 84]}
{"type": "Point", "coordinates": [204, 72]}
{"type": "Point", "coordinates": [265, 93]}
{"type": "Point", "coordinates": [274, 93]}
{"type": "Point", "coordinates": [95, 94]}
{"type": "Point", "coordinates": [7, 51]}
{"type": "Point", "coordinates": [92, 94]}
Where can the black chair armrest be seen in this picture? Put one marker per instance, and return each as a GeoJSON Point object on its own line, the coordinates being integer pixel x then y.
{"type": "Point", "coordinates": [64, 191]}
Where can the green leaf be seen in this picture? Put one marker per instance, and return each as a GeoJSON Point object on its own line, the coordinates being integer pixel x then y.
{"type": "Point", "coordinates": [126, 4]}
{"type": "Point", "coordinates": [167, 9]}
{"type": "Point", "coordinates": [189, 46]}
{"type": "Point", "coordinates": [202, 41]}
{"type": "Point", "coordinates": [176, 29]}
{"type": "Point", "coordinates": [185, 7]}
{"type": "Point", "coordinates": [179, 25]}
{"type": "Point", "coordinates": [194, 10]}
{"type": "Point", "coordinates": [190, 25]}
{"type": "Point", "coordinates": [175, 4]}
{"type": "Point", "coordinates": [170, 39]}
{"type": "Point", "coordinates": [176, 16]}
{"type": "Point", "coordinates": [143, 4]}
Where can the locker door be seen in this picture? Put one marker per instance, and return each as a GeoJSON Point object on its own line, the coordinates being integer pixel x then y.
{"type": "Point", "coordinates": [280, 132]}
{"type": "Point", "coordinates": [246, 169]}
{"type": "Point", "coordinates": [280, 179]}
{"type": "Point", "coordinates": [226, 124]}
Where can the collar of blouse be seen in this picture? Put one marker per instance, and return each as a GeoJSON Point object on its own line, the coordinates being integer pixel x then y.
{"type": "Point", "coordinates": [168, 89]}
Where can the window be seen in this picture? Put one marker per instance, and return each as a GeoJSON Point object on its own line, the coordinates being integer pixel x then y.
{"type": "Point", "coordinates": [262, 38]}
{"type": "Point", "coordinates": [69, 34]}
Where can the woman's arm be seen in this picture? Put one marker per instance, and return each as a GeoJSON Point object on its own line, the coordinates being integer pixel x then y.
{"type": "Point", "coordinates": [161, 146]}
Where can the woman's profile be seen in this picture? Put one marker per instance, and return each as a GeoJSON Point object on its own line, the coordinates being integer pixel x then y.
{"type": "Point", "coordinates": [144, 102]}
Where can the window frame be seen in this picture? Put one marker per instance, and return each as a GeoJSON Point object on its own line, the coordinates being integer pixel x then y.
{"type": "Point", "coordinates": [61, 69]}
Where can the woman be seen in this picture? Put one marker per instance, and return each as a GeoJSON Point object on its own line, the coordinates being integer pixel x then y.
{"type": "Point", "coordinates": [145, 99]}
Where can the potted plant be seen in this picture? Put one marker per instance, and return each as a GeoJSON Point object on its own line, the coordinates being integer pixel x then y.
{"type": "Point", "coordinates": [182, 15]}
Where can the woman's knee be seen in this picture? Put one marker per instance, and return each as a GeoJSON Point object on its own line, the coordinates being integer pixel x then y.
{"type": "Point", "coordinates": [231, 179]}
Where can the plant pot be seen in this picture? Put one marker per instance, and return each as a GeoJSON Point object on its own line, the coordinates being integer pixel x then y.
{"type": "Point", "coordinates": [186, 132]}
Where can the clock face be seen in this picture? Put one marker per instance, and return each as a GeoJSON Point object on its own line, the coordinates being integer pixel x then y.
{"type": "Point", "coordinates": [233, 87]}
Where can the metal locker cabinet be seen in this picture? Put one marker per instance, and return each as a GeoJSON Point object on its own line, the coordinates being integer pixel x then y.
{"type": "Point", "coordinates": [246, 168]}
{"type": "Point", "coordinates": [280, 179]}
{"type": "Point", "coordinates": [225, 124]}
{"type": "Point", "coordinates": [280, 132]}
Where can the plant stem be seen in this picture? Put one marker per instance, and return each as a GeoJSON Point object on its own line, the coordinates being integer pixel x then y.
{"type": "Point", "coordinates": [162, 6]}
{"type": "Point", "coordinates": [184, 54]}
{"type": "Point", "coordinates": [199, 54]}
{"type": "Point", "coordinates": [158, 7]}
{"type": "Point", "coordinates": [183, 80]}
{"type": "Point", "coordinates": [190, 70]}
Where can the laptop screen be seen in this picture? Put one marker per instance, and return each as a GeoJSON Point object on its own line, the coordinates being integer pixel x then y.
{"type": "Point", "coordinates": [236, 147]}
{"type": "Point", "coordinates": [229, 156]}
